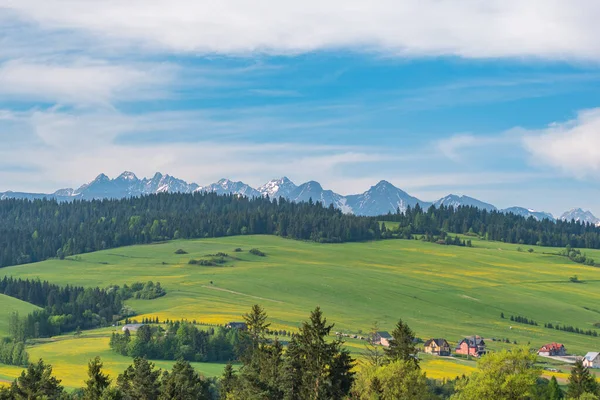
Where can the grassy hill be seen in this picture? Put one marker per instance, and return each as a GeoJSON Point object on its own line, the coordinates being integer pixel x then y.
{"type": "Point", "coordinates": [441, 291]}
{"type": "Point", "coordinates": [8, 305]}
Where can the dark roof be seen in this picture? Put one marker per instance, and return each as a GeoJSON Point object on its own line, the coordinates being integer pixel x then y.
{"type": "Point", "coordinates": [439, 342]}
{"type": "Point", "coordinates": [384, 335]}
{"type": "Point", "coordinates": [236, 324]}
{"type": "Point", "coordinates": [473, 341]}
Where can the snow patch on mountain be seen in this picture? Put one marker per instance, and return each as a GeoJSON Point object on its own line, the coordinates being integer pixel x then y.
{"type": "Point", "coordinates": [528, 212]}
{"type": "Point", "coordinates": [382, 199]}
{"type": "Point", "coordinates": [378, 200]}
{"type": "Point", "coordinates": [456, 201]}
{"type": "Point", "coordinates": [275, 188]}
{"type": "Point", "coordinates": [579, 215]}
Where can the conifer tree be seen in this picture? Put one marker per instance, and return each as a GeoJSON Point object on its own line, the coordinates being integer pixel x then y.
{"type": "Point", "coordinates": [36, 382]}
{"type": "Point", "coordinates": [581, 381]}
{"type": "Point", "coordinates": [97, 382]}
{"type": "Point", "coordinates": [324, 367]}
{"type": "Point", "coordinates": [402, 346]}
{"type": "Point", "coordinates": [183, 383]}
{"type": "Point", "coordinates": [140, 381]}
{"type": "Point", "coordinates": [554, 390]}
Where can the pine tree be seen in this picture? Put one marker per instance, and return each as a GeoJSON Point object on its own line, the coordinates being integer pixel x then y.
{"type": "Point", "coordinates": [257, 326]}
{"type": "Point", "coordinates": [97, 382]}
{"type": "Point", "coordinates": [323, 367]}
{"type": "Point", "coordinates": [36, 382]}
{"type": "Point", "coordinates": [402, 345]}
{"type": "Point", "coordinates": [184, 383]}
{"type": "Point", "coordinates": [581, 381]}
{"type": "Point", "coordinates": [554, 390]}
{"type": "Point", "coordinates": [228, 380]}
{"type": "Point", "coordinates": [140, 381]}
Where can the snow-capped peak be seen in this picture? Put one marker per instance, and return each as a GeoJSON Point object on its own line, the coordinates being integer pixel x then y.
{"type": "Point", "coordinates": [579, 215]}
{"type": "Point", "coordinates": [281, 187]}
{"type": "Point", "coordinates": [128, 176]}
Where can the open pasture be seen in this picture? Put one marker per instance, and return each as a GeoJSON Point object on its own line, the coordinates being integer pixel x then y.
{"type": "Point", "coordinates": [441, 291]}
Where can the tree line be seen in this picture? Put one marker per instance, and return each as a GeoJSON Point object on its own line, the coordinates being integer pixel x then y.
{"type": "Point", "coordinates": [180, 340]}
{"type": "Point", "coordinates": [35, 230]}
{"type": "Point", "coordinates": [493, 225]}
{"type": "Point", "coordinates": [67, 308]}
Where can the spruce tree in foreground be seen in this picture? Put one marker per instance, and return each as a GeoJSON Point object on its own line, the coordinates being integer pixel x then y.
{"type": "Point", "coordinates": [402, 345]}
{"type": "Point", "coordinates": [554, 390]}
{"type": "Point", "coordinates": [581, 381]}
{"type": "Point", "coordinates": [317, 369]}
{"type": "Point", "coordinates": [183, 383]}
{"type": "Point", "coordinates": [140, 381]}
{"type": "Point", "coordinates": [97, 382]}
{"type": "Point", "coordinates": [260, 376]}
{"type": "Point", "coordinates": [36, 382]}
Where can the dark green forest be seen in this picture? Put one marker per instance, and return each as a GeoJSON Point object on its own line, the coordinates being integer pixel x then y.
{"type": "Point", "coordinates": [32, 231]}
{"type": "Point", "coordinates": [180, 340]}
{"type": "Point", "coordinates": [36, 230]}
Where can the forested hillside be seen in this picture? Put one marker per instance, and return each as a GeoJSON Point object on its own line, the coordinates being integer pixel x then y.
{"type": "Point", "coordinates": [494, 225]}
{"type": "Point", "coordinates": [32, 231]}
{"type": "Point", "coordinates": [36, 230]}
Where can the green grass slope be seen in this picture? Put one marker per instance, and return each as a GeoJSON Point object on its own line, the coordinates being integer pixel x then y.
{"type": "Point", "coordinates": [442, 291]}
{"type": "Point", "coordinates": [8, 305]}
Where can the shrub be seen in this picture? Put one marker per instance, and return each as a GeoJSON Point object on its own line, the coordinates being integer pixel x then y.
{"type": "Point", "coordinates": [238, 250]}
{"type": "Point", "coordinates": [257, 252]}
{"type": "Point", "coordinates": [181, 251]}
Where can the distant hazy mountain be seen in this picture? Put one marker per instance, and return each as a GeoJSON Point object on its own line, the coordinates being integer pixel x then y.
{"type": "Point", "coordinates": [524, 212]}
{"type": "Point", "coordinates": [313, 190]}
{"type": "Point", "coordinates": [225, 186]}
{"type": "Point", "coordinates": [455, 201]}
{"type": "Point", "coordinates": [381, 199]}
{"type": "Point", "coordinates": [580, 215]}
{"type": "Point", "coordinates": [275, 188]}
{"type": "Point", "coordinates": [378, 200]}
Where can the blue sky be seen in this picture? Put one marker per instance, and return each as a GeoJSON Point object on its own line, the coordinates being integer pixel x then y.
{"type": "Point", "coordinates": [499, 100]}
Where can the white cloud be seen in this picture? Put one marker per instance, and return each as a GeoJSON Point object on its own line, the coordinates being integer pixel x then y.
{"type": "Point", "coordinates": [81, 81]}
{"type": "Point", "coordinates": [550, 29]}
{"type": "Point", "coordinates": [572, 147]}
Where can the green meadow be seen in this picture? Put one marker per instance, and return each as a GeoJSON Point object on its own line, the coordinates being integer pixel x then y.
{"type": "Point", "coordinates": [441, 291]}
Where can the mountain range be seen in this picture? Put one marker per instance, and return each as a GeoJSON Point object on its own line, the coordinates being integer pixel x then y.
{"type": "Point", "coordinates": [378, 200]}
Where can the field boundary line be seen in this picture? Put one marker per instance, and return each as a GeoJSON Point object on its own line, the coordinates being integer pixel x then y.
{"type": "Point", "coordinates": [241, 294]}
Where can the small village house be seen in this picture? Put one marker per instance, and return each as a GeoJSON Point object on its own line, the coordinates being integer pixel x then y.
{"type": "Point", "coordinates": [132, 327]}
{"type": "Point", "coordinates": [237, 325]}
{"type": "Point", "coordinates": [471, 346]}
{"type": "Point", "coordinates": [382, 338]}
{"type": "Point", "coordinates": [552, 349]}
{"type": "Point", "coordinates": [438, 347]}
{"type": "Point", "coordinates": [591, 360]}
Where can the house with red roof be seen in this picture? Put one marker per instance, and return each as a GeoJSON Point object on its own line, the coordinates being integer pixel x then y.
{"type": "Point", "coordinates": [552, 349]}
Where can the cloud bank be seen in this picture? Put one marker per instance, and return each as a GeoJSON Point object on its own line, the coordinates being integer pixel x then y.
{"type": "Point", "coordinates": [549, 29]}
{"type": "Point", "coordinates": [572, 147]}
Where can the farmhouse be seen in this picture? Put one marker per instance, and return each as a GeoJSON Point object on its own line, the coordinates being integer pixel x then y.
{"type": "Point", "coordinates": [552, 349]}
{"type": "Point", "coordinates": [237, 325]}
{"type": "Point", "coordinates": [438, 347]}
{"type": "Point", "coordinates": [383, 338]}
{"type": "Point", "coordinates": [471, 346]}
{"type": "Point", "coordinates": [132, 327]}
{"type": "Point", "coordinates": [591, 360]}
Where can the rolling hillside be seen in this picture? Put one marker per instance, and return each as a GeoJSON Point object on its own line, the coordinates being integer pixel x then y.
{"type": "Point", "coordinates": [441, 291]}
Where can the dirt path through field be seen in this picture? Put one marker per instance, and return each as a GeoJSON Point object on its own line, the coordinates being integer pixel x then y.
{"type": "Point", "coordinates": [241, 294]}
